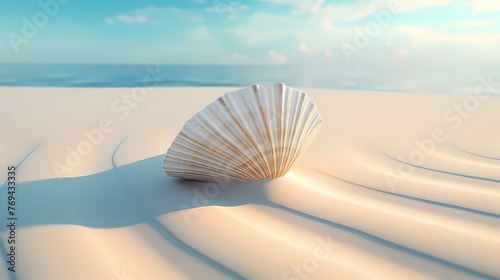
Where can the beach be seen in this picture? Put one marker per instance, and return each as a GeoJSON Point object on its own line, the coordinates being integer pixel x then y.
{"type": "Point", "coordinates": [396, 186]}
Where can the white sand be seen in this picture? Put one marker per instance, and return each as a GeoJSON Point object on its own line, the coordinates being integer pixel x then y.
{"type": "Point", "coordinates": [351, 208]}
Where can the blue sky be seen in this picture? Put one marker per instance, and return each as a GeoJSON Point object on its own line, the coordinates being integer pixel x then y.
{"type": "Point", "coordinates": [369, 32]}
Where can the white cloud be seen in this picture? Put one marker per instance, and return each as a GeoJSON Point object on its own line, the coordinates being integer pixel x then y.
{"type": "Point", "coordinates": [199, 34]}
{"type": "Point", "coordinates": [252, 36]}
{"type": "Point", "coordinates": [485, 5]}
{"type": "Point", "coordinates": [316, 6]}
{"type": "Point", "coordinates": [276, 58]}
{"type": "Point", "coordinates": [226, 8]}
{"type": "Point", "coordinates": [199, 47]}
{"type": "Point", "coordinates": [466, 23]}
{"type": "Point", "coordinates": [349, 12]}
{"type": "Point", "coordinates": [227, 11]}
{"type": "Point", "coordinates": [303, 47]}
{"type": "Point", "coordinates": [131, 19]}
{"type": "Point", "coordinates": [265, 37]}
{"type": "Point", "coordinates": [269, 21]}
{"type": "Point", "coordinates": [473, 23]}
{"type": "Point", "coordinates": [409, 5]}
{"type": "Point", "coordinates": [110, 21]}
{"type": "Point", "coordinates": [237, 58]}
{"type": "Point", "coordinates": [425, 38]}
{"type": "Point", "coordinates": [264, 31]}
{"type": "Point", "coordinates": [328, 26]}
{"type": "Point", "coordinates": [403, 51]}
{"type": "Point", "coordinates": [155, 15]}
{"type": "Point", "coordinates": [345, 12]}
{"type": "Point", "coordinates": [300, 6]}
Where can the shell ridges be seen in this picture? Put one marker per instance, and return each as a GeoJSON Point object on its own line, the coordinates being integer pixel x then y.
{"type": "Point", "coordinates": [250, 134]}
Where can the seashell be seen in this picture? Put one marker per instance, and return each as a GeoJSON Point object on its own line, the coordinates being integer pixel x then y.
{"type": "Point", "coordinates": [250, 134]}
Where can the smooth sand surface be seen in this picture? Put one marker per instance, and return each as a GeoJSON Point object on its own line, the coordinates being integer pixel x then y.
{"type": "Point", "coordinates": [396, 186]}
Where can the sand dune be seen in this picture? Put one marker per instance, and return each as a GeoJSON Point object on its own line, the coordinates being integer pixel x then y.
{"type": "Point", "coordinates": [396, 186]}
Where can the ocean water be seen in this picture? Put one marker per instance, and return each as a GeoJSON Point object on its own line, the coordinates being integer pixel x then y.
{"type": "Point", "coordinates": [310, 76]}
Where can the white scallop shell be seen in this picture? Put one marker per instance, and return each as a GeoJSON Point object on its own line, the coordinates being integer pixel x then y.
{"type": "Point", "coordinates": [251, 134]}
